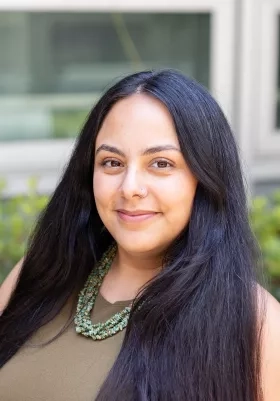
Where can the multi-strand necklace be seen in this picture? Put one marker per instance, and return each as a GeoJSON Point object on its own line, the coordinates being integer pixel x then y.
{"type": "Point", "coordinates": [86, 302]}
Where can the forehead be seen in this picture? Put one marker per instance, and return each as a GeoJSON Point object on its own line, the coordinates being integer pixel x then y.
{"type": "Point", "coordinates": [140, 120]}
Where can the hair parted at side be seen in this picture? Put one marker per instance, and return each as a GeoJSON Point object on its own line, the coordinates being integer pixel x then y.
{"type": "Point", "coordinates": [196, 336]}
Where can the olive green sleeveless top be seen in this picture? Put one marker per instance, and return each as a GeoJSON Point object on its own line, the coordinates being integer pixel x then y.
{"type": "Point", "coordinates": [71, 368]}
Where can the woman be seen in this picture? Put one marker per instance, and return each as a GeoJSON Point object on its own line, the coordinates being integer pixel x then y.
{"type": "Point", "coordinates": [148, 233]}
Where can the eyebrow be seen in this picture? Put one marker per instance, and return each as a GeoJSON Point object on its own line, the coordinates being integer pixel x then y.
{"type": "Point", "coordinates": [147, 151]}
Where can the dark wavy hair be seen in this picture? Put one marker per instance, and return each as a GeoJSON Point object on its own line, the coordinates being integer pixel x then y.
{"type": "Point", "coordinates": [196, 335]}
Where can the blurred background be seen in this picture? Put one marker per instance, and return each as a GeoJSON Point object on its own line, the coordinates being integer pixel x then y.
{"type": "Point", "coordinates": [57, 57]}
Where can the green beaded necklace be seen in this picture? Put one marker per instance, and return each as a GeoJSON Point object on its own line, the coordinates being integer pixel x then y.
{"type": "Point", "coordinates": [86, 301]}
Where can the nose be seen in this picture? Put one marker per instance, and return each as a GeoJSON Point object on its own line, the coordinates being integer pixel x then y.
{"type": "Point", "coordinates": [133, 184]}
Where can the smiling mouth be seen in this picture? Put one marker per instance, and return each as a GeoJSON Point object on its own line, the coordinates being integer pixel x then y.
{"type": "Point", "coordinates": [136, 216]}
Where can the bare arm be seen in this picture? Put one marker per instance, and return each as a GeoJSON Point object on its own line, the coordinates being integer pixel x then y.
{"type": "Point", "coordinates": [8, 285]}
{"type": "Point", "coordinates": [271, 350]}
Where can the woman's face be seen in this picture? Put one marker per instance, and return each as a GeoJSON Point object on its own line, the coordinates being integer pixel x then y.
{"type": "Point", "coordinates": [143, 187]}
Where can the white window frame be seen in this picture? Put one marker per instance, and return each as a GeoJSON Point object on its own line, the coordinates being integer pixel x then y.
{"type": "Point", "coordinates": [46, 156]}
{"type": "Point", "coordinates": [269, 134]}
{"type": "Point", "coordinates": [256, 81]}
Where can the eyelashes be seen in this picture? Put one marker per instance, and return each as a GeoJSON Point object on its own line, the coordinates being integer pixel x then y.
{"type": "Point", "coordinates": [162, 163]}
{"type": "Point", "coordinates": [104, 163]}
{"type": "Point", "coordinates": [158, 164]}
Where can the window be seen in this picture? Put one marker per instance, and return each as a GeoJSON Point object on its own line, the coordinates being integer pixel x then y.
{"type": "Point", "coordinates": [59, 55]}
{"type": "Point", "coordinates": [54, 65]}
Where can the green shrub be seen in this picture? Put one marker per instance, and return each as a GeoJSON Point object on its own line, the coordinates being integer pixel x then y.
{"type": "Point", "coordinates": [265, 218]}
{"type": "Point", "coordinates": [18, 215]}
{"type": "Point", "coordinates": [17, 218]}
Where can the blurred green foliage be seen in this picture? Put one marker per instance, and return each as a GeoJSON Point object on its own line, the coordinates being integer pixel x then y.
{"type": "Point", "coordinates": [17, 218]}
{"type": "Point", "coordinates": [265, 220]}
{"type": "Point", "coordinates": [18, 215]}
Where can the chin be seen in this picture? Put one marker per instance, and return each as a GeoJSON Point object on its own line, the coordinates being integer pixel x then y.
{"type": "Point", "coordinates": [141, 245]}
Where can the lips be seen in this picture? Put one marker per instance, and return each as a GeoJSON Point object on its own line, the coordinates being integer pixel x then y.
{"type": "Point", "coordinates": [136, 215]}
{"type": "Point", "coordinates": [135, 212]}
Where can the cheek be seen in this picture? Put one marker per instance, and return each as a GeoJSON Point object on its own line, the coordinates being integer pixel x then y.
{"type": "Point", "coordinates": [178, 192]}
{"type": "Point", "coordinates": [177, 200]}
{"type": "Point", "coordinates": [102, 191]}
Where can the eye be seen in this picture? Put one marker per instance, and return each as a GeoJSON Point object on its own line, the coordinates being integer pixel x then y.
{"type": "Point", "coordinates": [111, 163]}
{"type": "Point", "coordinates": [162, 164]}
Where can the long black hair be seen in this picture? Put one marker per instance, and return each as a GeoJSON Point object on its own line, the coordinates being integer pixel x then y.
{"type": "Point", "coordinates": [196, 335]}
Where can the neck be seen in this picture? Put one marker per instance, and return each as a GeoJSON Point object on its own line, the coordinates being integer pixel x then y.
{"type": "Point", "coordinates": [128, 274]}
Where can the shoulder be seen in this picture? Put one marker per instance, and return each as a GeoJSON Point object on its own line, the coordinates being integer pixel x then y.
{"type": "Point", "coordinates": [270, 346]}
{"type": "Point", "coordinates": [8, 285]}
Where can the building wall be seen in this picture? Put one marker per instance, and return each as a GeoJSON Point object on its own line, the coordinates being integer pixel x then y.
{"type": "Point", "coordinates": [257, 97]}
{"type": "Point", "coordinates": [59, 56]}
